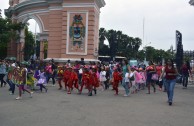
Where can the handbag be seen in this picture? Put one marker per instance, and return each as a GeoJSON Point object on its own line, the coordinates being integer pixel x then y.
{"type": "Point", "coordinates": [155, 77]}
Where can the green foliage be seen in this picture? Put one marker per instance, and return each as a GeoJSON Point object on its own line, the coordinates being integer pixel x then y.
{"type": "Point", "coordinates": [29, 44]}
{"type": "Point", "coordinates": [119, 44]}
{"type": "Point", "coordinates": [123, 45]}
{"type": "Point", "coordinates": [8, 31]}
{"type": "Point", "coordinates": [45, 49]}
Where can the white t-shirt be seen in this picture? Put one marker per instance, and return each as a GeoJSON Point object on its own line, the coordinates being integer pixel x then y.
{"type": "Point", "coordinates": [127, 77]}
{"type": "Point", "coordinates": [103, 76]}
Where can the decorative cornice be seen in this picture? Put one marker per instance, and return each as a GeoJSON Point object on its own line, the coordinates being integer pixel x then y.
{"type": "Point", "coordinates": [100, 3]}
{"type": "Point", "coordinates": [191, 2]}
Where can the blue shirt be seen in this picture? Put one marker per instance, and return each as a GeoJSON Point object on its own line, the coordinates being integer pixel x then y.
{"type": "Point", "coordinates": [2, 69]}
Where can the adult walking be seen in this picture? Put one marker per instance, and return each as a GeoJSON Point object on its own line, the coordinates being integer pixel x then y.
{"type": "Point", "coordinates": [125, 69]}
{"type": "Point", "coordinates": [171, 73]}
{"type": "Point", "coordinates": [185, 71]}
{"type": "Point", "coordinates": [2, 72]}
{"type": "Point", "coordinates": [150, 70]}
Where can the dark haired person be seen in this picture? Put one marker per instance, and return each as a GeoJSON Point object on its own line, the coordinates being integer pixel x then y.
{"type": "Point", "coordinates": [2, 72]}
{"type": "Point", "coordinates": [150, 70]}
{"type": "Point", "coordinates": [186, 71]}
{"type": "Point", "coordinates": [125, 69]}
{"type": "Point", "coordinates": [171, 73]}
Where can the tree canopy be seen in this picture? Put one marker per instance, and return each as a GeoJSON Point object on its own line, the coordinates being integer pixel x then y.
{"type": "Point", "coordinates": [8, 31]}
{"type": "Point", "coordinates": [120, 44]}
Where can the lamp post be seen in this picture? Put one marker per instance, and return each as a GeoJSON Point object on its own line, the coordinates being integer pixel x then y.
{"type": "Point", "coordinates": [146, 50]}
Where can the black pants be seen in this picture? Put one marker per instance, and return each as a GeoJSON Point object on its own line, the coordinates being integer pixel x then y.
{"type": "Point", "coordinates": [1, 79]}
{"type": "Point", "coordinates": [52, 77]}
{"type": "Point", "coordinates": [185, 80]}
{"type": "Point", "coordinates": [41, 87]}
{"type": "Point", "coordinates": [106, 83]}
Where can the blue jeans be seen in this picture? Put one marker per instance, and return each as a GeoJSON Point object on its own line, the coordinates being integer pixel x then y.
{"type": "Point", "coordinates": [126, 86]}
{"type": "Point", "coordinates": [164, 83]}
{"type": "Point", "coordinates": [170, 84]}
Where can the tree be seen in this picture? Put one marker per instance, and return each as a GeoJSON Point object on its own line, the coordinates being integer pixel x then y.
{"type": "Point", "coordinates": [119, 44]}
{"type": "Point", "coordinates": [8, 31]}
{"type": "Point", "coordinates": [29, 46]}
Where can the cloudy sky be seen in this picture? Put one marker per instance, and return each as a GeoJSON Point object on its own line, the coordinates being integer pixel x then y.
{"type": "Point", "coordinates": [162, 19]}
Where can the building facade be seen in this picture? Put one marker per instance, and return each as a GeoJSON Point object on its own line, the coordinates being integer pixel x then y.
{"type": "Point", "coordinates": [71, 27]}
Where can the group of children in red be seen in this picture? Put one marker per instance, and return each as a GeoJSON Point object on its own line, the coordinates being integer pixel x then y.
{"type": "Point", "coordinates": [69, 75]}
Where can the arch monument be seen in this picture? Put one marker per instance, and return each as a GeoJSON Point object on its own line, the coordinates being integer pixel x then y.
{"type": "Point", "coordinates": [70, 26]}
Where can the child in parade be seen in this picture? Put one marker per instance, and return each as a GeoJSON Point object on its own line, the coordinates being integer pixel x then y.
{"type": "Point", "coordinates": [94, 80]}
{"type": "Point", "coordinates": [138, 78]}
{"type": "Point", "coordinates": [150, 70]}
{"type": "Point", "coordinates": [86, 80]}
{"type": "Point", "coordinates": [107, 77]}
{"type": "Point", "coordinates": [143, 79]}
{"type": "Point", "coordinates": [73, 80]}
{"type": "Point", "coordinates": [102, 77]}
{"type": "Point", "coordinates": [132, 80]}
{"type": "Point", "coordinates": [21, 81]}
{"type": "Point", "coordinates": [127, 84]}
{"type": "Point", "coordinates": [60, 73]}
{"type": "Point", "coordinates": [66, 76]}
{"type": "Point", "coordinates": [42, 80]}
{"type": "Point", "coordinates": [116, 79]}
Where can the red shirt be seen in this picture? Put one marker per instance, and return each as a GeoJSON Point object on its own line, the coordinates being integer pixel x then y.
{"type": "Point", "coordinates": [170, 71]}
{"type": "Point", "coordinates": [159, 70]}
{"type": "Point", "coordinates": [117, 77]}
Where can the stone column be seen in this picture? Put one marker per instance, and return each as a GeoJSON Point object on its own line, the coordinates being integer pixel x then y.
{"type": "Point", "coordinates": [41, 49]}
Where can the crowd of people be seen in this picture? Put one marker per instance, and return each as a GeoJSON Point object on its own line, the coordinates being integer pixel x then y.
{"type": "Point", "coordinates": [92, 77]}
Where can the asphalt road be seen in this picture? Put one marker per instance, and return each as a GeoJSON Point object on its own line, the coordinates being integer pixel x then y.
{"type": "Point", "coordinates": [56, 108]}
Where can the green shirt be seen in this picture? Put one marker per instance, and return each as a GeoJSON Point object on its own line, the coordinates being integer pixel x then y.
{"type": "Point", "coordinates": [125, 69]}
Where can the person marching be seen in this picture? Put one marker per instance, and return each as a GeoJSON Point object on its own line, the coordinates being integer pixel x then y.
{"type": "Point", "coordinates": [66, 76]}
{"type": "Point", "coordinates": [85, 80]}
{"type": "Point", "coordinates": [42, 80]}
{"type": "Point", "coordinates": [73, 80]}
{"type": "Point", "coordinates": [143, 79]}
{"type": "Point", "coordinates": [116, 79]}
{"type": "Point", "coordinates": [60, 73]}
{"type": "Point", "coordinates": [94, 80]}
{"type": "Point", "coordinates": [102, 77]}
{"type": "Point", "coordinates": [22, 79]}
{"type": "Point", "coordinates": [150, 70]}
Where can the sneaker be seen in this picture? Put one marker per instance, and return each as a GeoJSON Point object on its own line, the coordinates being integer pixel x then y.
{"type": "Point", "coordinates": [53, 85]}
{"type": "Point", "coordinates": [18, 98]}
{"type": "Point", "coordinates": [11, 93]}
{"type": "Point", "coordinates": [31, 94]}
{"type": "Point", "coordinates": [125, 95]}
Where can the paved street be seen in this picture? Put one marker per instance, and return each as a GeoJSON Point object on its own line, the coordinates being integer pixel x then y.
{"type": "Point", "coordinates": [56, 108]}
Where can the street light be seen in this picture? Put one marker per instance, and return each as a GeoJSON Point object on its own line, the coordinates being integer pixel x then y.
{"type": "Point", "coordinates": [146, 50]}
